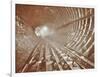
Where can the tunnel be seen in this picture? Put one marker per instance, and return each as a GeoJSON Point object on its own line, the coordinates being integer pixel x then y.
{"type": "Point", "coordinates": [53, 38]}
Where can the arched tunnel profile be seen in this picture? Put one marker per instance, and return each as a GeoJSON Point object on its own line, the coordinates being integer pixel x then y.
{"type": "Point", "coordinates": [53, 38]}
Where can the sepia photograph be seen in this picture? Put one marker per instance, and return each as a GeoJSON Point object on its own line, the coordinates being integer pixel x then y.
{"type": "Point", "coordinates": [53, 38]}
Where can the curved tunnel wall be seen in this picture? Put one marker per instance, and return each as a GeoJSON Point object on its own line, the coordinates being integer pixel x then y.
{"type": "Point", "coordinates": [68, 44]}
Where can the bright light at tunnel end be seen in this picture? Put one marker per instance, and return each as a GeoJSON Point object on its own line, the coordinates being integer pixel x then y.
{"type": "Point", "coordinates": [42, 31]}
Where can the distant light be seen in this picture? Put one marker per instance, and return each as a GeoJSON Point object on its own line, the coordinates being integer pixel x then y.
{"type": "Point", "coordinates": [44, 28]}
{"type": "Point", "coordinates": [42, 31]}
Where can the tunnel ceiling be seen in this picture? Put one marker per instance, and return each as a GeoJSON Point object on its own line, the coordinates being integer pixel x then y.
{"type": "Point", "coordinates": [52, 38]}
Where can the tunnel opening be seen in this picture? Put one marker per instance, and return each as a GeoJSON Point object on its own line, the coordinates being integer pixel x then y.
{"type": "Point", "coordinates": [42, 31]}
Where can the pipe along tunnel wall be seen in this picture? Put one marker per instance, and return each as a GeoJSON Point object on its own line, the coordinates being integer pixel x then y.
{"type": "Point", "coordinates": [52, 38]}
